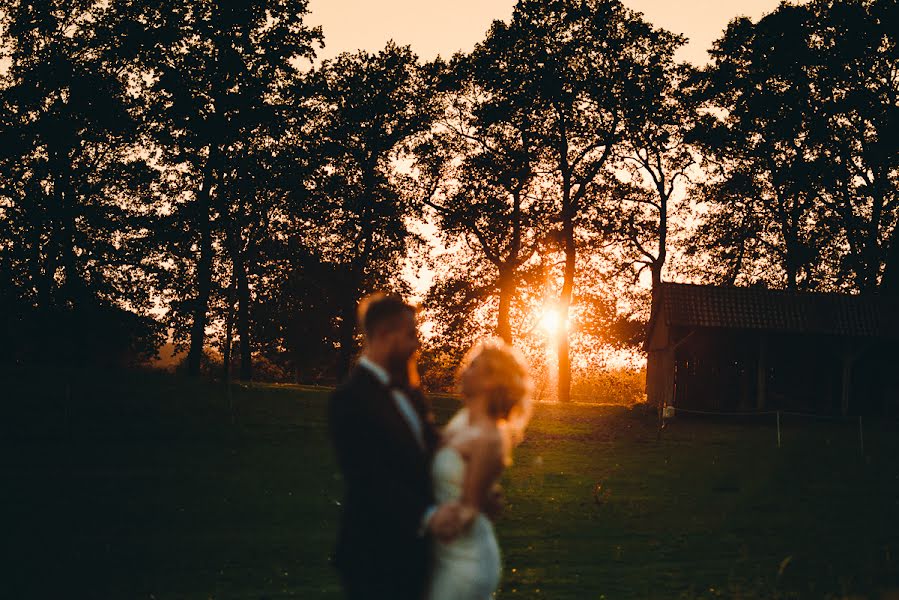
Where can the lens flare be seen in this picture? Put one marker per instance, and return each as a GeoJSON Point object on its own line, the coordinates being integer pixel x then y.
{"type": "Point", "coordinates": [551, 322]}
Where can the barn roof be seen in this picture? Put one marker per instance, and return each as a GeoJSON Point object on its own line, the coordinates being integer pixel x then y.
{"type": "Point", "coordinates": [691, 305]}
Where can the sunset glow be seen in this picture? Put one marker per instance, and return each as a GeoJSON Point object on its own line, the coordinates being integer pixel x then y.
{"type": "Point", "coordinates": [551, 322]}
{"type": "Point", "coordinates": [451, 299]}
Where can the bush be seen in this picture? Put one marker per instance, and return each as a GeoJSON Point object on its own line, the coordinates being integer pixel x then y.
{"type": "Point", "coordinates": [610, 386]}
{"type": "Point", "coordinates": [93, 334]}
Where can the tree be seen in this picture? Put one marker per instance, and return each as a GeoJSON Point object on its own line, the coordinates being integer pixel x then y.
{"type": "Point", "coordinates": [217, 75]}
{"type": "Point", "coordinates": [74, 228]}
{"type": "Point", "coordinates": [582, 69]}
{"type": "Point", "coordinates": [365, 108]}
{"type": "Point", "coordinates": [856, 49]}
{"type": "Point", "coordinates": [762, 147]}
{"type": "Point", "coordinates": [481, 173]}
{"type": "Point", "coordinates": [800, 140]}
{"type": "Point", "coordinates": [654, 160]}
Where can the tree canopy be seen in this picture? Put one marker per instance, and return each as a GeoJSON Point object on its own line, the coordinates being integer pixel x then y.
{"type": "Point", "coordinates": [188, 172]}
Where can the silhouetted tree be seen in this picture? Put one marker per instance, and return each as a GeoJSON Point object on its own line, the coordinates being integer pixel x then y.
{"type": "Point", "coordinates": [654, 160]}
{"type": "Point", "coordinates": [582, 68]}
{"type": "Point", "coordinates": [72, 178]}
{"type": "Point", "coordinates": [217, 75]}
{"type": "Point", "coordinates": [763, 147]}
{"type": "Point", "coordinates": [800, 141]}
{"type": "Point", "coordinates": [365, 110]}
{"type": "Point", "coordinates": [856, 46]}
{"type": "Point", "coordinates": [480, 172]}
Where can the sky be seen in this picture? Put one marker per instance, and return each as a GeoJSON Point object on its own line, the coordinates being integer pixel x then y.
{"type": "Point", "coordinates": [443, 27]}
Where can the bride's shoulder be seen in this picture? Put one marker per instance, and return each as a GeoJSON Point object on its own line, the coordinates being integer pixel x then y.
{"type": "Point", "coordinates": [458, 422]}
{"type": "Point", "coordinates": [489, 437]}
{"type": "Point", "coordinates": [464, 436]}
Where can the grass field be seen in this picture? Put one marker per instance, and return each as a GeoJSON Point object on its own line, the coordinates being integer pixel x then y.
{"type": "Point", "coordinates": [149, 486]}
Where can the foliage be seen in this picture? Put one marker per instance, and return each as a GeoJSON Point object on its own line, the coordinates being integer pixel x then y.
{"type": "Point", "coordinates": [479, 170]}
{"type": "Point", "coordinates": [74, 223]}
{"type": "Point", "coordinates": [800, 146]}
{"type": "Point", "coordinates": [216, 78]}
{"type": "Point", "coordinates": [582, 70]}
{"type": "Point", "coordinates": [365, 110]}
{"type": "Point", "coordinates": [178, 169]}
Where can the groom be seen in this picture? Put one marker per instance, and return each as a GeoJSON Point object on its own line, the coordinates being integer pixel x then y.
{"type": "Point", "coordinates": [384, 436]}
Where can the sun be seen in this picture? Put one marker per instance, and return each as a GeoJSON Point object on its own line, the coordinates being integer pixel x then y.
{"type": "Point", "coordinates": [551, 322]}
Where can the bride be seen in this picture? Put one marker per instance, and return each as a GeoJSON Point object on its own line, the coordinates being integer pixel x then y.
{"type": "Point", "coordinates": [476, 447]}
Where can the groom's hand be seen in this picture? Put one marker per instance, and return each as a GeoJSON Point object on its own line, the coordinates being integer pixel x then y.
{"type": "Point", "coordinates": [446, 522]}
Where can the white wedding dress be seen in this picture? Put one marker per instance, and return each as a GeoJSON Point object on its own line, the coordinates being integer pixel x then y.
{"type": "Point", "coordinates": [467, 568]}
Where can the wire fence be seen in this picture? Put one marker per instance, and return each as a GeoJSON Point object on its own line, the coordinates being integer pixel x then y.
{"type": "Point", "coordinates": [670, 412]}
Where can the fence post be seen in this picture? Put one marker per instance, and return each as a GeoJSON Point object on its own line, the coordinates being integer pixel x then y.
{"type": "Point", "coordinates": [861, 435]}
{"type": "Point", "coordinates": [778, 429]}
{"type": "Point", "coordinates": [67, 399]}
{"type": "Point", "coordinates": [661, 423]}
{"type": "Point", "coordinates": [229, 392]}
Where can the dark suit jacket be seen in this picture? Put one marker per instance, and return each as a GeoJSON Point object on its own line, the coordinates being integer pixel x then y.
{"type": "Point", "coordinates": [387, 479]}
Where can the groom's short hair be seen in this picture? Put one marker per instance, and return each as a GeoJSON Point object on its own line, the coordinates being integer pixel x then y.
{"type": "Point", "coordinates": [382, 310]}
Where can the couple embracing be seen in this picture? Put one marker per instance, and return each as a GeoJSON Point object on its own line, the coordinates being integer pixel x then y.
{"type": "Point", "coordinates": [414, 521]}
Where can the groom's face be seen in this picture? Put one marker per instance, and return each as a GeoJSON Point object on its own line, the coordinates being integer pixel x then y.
{"type": "Point", "coordinates": [404, 339]}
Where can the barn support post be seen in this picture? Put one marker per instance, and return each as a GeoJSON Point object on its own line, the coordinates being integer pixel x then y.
{"type": "Point", "coordinates": [654, 378]}
{"type": "Point", "coordinates": [668, 377]}
{"type": "Point", "coordinates": [778, 429]}
{"type": "Point", "coordinates": [762, 374]}
{"type": "Point", "coordinates": [846, 382]}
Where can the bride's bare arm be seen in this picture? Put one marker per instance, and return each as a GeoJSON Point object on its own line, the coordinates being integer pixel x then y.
{"type": "Point", "coordinates": [483, 468]}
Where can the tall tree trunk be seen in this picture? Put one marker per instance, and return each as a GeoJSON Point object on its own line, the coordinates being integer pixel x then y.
{"type": "Point", "coordinates": [204, 269]}
{"type": "Point", "coordinates": [347, 338]}
{"type": "Point", "coordinates": [792, 246]}
{"type": "Point", "coordinates": [791, 261]}
{"type": "Point", "coordinates": [48, 259]}
{"type": "Point", "coordinates": [507, 272]}
{"type": "Point", "coordinates": [506, 292]}
{"type": "Point", "coordinates": [65, 231]}
{"type": "Point", "coordinates": [567, 214]}
{"type": "Point", "coordinates": [229, 328]}
{"type": "Point", "coordinates": [792, 275]}
{"type": "Point", "coordinates": [662, 255]}
{"type": "Point", "coordinates": [564, 389]}
{"type": "Point", "coordinates": [39, 269]}
{"type": "Point", "coordinates": [741, 255]}
{"type": "Point", "coordinates": [67, 249]}
{"type": "Point", "coordinates": [889, 285]}
{"type": "Point", "coordinates": [353, 290]}
{"type": "Point", "coordinates": [73, 291]}
{"type": "Point", "coordinates": [874, 253]}
{"type": "Point", "coordinates": [243, 318]}
{"type": "Point", "coordinates": [240, 255]}
{"type": "Point", "coordinates": [654, 367]}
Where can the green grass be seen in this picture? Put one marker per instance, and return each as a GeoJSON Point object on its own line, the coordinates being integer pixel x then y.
{"type": "Point", "coordinates": [142, 487]}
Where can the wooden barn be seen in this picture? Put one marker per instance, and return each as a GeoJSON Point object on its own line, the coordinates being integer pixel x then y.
{"type": "Point", "coordinates": [732, 349]}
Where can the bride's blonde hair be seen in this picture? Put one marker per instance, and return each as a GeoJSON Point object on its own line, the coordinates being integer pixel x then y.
{"type": "Point", "coordinates": [498, 371]}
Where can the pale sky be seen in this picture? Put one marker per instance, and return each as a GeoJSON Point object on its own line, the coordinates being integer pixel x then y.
{"type": "Point", "coordinates": [443, 27]}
